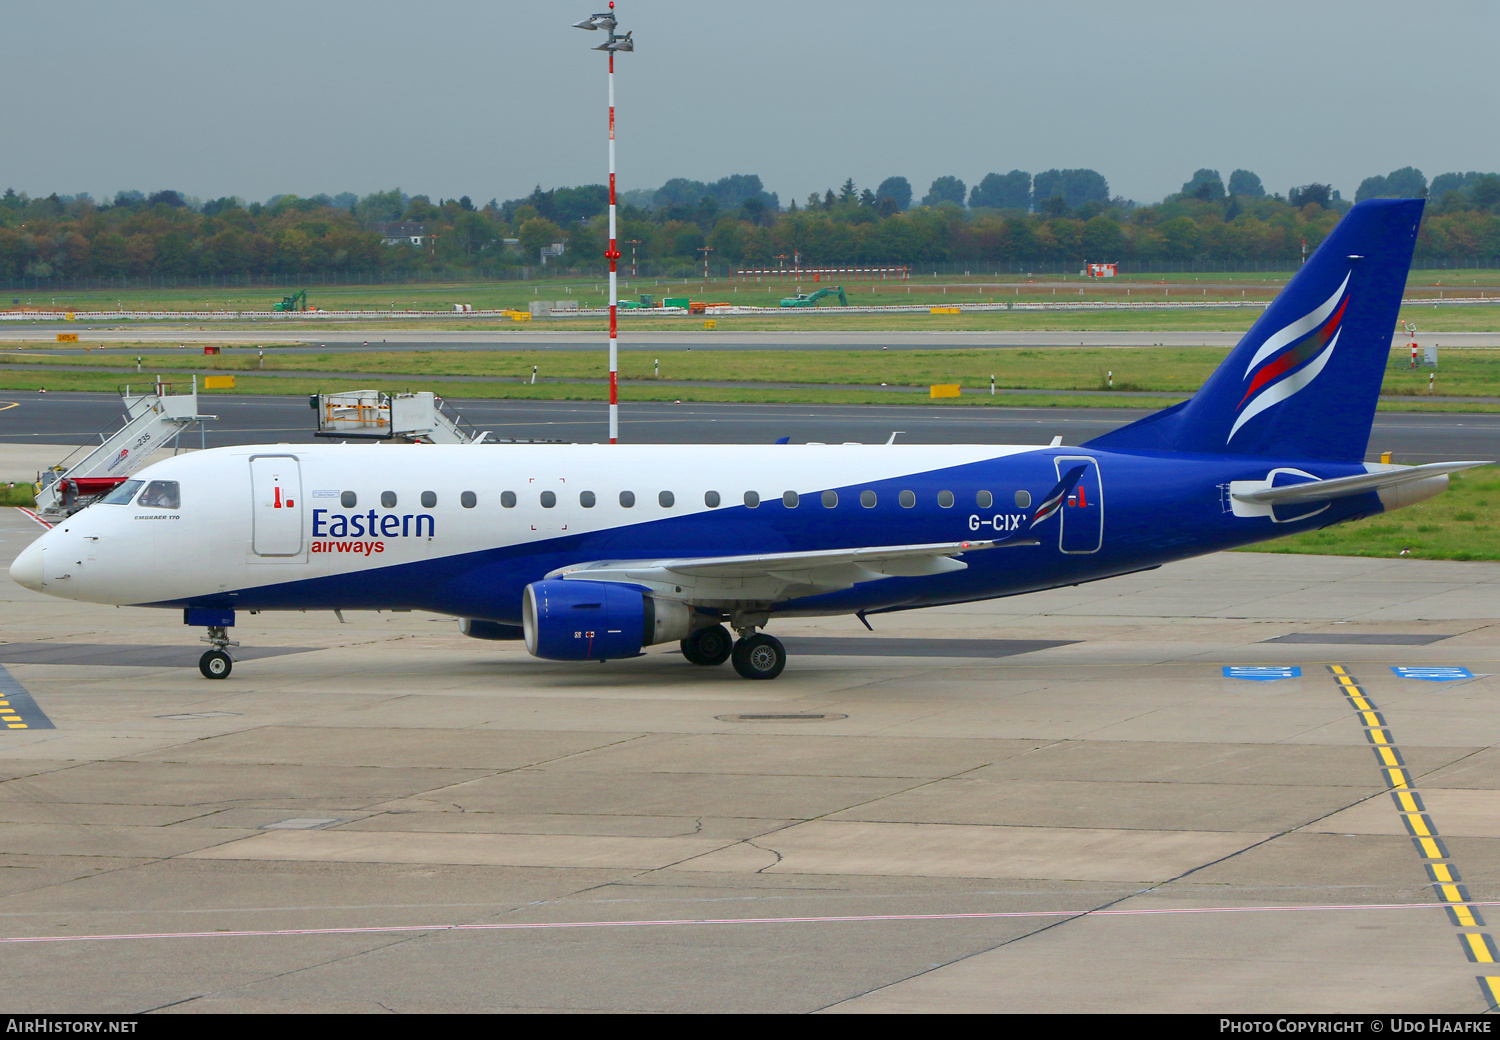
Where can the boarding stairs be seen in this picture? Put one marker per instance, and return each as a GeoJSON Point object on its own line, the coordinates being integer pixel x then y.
{"type": "Point", "coordinates": [415, 418]}
{"type": "Point", "coordinates": [153, 420]}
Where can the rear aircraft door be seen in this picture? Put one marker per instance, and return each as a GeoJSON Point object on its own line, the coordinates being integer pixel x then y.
{"type": "Point", "coordinates": [1082, 515]}
{"type": "Point", "coordinates": [276, 503]}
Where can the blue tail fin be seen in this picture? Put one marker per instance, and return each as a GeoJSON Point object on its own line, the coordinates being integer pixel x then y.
{"type": "Point", "coordinates": [1304, 380]}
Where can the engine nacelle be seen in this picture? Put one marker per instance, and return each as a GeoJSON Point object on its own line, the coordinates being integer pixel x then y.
{"type": "Point", "coordinates": [598, 620]}
{"type": "Point", "coordinates": [583, 620]}
{"type": "Point", "coordinates": [489, 629]}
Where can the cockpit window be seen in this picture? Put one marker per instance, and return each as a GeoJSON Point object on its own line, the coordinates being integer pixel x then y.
{"type": "Point", "coordinates": [122, 495]}
{"type": "Point", "coordinates": [161, 494]}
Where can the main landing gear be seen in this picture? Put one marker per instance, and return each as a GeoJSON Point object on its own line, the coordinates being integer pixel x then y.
{"type": "Point", "coordinates": [755, 656]}
{"type": "Point", "coordinates": [759, 656]}
{"type": "Point", "coordinates": [216, 663]}
{"type": "Point", "coordinates": [708, 645]}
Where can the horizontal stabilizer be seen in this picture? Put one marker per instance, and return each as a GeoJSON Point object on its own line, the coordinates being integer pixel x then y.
{"type": "Point", "coordinates": [1341, 487]}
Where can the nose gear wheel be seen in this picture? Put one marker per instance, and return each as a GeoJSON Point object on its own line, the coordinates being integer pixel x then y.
{"type": "Point", "coordinates": [215, 664]}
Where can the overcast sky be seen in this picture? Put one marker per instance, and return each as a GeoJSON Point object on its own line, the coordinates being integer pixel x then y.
{"type": "Point", "coordinates": [486, 99]}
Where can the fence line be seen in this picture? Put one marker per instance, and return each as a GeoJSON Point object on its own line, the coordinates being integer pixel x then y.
{"type": "Point", "coordinates": [684, 271]}
{"type": "Point", "coordinates": [35, 316]}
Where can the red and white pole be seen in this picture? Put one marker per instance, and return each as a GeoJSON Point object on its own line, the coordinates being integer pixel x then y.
{"type": "Point", "coordinates": [613, 256]}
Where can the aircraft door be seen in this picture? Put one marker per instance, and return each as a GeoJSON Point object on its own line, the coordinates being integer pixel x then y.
{"type": "Point", "coordinates": [276, 502]}
{"type": "Point", "coordinates": [1081, 518]}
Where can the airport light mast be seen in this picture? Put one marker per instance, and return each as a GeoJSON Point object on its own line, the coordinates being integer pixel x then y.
{"type": "Point", "coordinates": [606, 21]}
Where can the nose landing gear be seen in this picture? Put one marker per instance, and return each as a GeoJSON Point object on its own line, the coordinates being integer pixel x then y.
{"type": "Point", "coordinates": [216, 663]}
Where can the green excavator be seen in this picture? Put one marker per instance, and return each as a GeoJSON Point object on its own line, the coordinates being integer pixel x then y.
{"type": "Point", "coordinates": [811, 299]}
{"type": "Point", "coordinates": [292, 303]}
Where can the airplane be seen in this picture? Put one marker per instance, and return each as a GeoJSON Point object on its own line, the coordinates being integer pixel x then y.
{"type": "Point", "coordinates": [592, 552]}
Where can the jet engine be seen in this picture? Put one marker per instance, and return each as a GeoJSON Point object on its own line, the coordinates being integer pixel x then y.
{"type": "Point", "coordinates": [599, 620]}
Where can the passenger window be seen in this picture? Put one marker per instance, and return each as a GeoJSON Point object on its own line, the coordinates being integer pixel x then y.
{"type": "Point", "coordinates": [984, 500]}
{"type": "Point", "coordinates": [549, 499]}
{"type": "Point", "coordinates": [907, 499]}
{"type": "Point", "coordinates": [508, 499]}
{"type": "Point", "coordinates": [830, 499]}
{"type": "Point", "coordinates": [627, 499]}
{"type": "Point", "coordinates": [429, 499]}
{"type": "Point", "coordinates": [867, 499]}
{"type": "Point", "coordinates": [586, 499]}
{"type": "Point", "coordinates": [1023, 499]}
{"type": "Point", "coordinates": [122, 495]}
{"type": "Point", "coordinates": [945, 499]}
{"type": "Point", "coordinates": [161, 494]}
{"type": "Point", "coordinates": [666, 499]}
{"type": "Point", "coordinates": [348, 500]}
{"type": "Point", "coordinates": [752, 499]}
{"type": "Point", "coordinates": [468, 500]}
{"type": "Point", "coordinates": [789, 499]}
{"type": "Point", "coordinates": [388, 499]}
{"type": "Point", "coordinates": [711, 499]}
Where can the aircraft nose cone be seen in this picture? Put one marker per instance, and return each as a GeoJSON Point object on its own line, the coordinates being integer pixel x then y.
{"type": "Point", "coordinates": [27, 568]}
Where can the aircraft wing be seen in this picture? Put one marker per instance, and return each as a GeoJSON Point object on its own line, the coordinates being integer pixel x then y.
{"type": "Point", "coordinates": [767, 576]}
{"type": "Point", "coordinates": [1340, 487]}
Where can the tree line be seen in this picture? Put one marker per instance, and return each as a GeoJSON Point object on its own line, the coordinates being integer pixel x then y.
{"type": "Point", "coordinates": [1053, 216]}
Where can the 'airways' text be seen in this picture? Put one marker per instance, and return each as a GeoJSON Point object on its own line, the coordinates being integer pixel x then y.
{"type": "Point", "coordinates": [358, 548]}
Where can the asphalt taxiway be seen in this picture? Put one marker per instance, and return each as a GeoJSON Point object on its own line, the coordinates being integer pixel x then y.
{"type": "Point", "coordinates": [1060, 802]}
{"type": "Point", "coordinates": [53, 423]}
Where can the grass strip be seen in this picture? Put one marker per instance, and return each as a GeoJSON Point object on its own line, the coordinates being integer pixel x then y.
{"type": "Point", "coordinates": [17, 495]}
{"type": "Point", "coordinates": [1465, 371]}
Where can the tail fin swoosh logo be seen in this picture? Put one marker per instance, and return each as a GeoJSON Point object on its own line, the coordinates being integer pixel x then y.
{"type": "Point", "coordinates": [1054, 501]}
{"type": "Point", "coordinates": [1292, 357]}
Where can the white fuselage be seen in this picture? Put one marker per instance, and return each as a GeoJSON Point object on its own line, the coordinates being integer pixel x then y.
{"type": "Point", "coordinates": [230, 534]}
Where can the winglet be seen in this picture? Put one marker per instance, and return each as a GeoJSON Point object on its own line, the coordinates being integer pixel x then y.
{"type": "Point", "coordinates": [1049, 505]}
